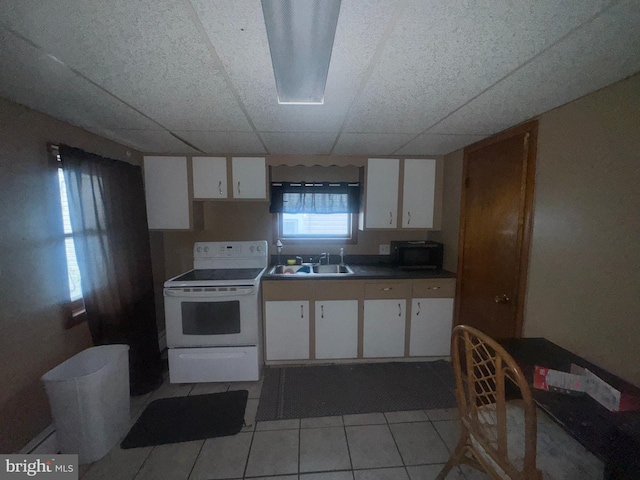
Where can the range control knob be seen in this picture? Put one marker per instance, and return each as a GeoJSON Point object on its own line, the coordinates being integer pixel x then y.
{"type": "Point", "coordinates": [252, 248]}
{"type": "Point", "coordinates": [206, 249]}
{"type": "Point", "coordinates": [258, 248]}
{"type": "Point", "coordinates": [199, 249]}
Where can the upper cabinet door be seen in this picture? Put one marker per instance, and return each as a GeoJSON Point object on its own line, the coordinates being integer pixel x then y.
{"type": "Point", "coordinates": [382, 193]}
{"type": "Point", "coordinates": [418, 193]}
{"type": "Point", "coordinates": [166, 189]}
{"type": "Point", "coordinates": [209, 177]}
{"type": "Point", "coordinates": [249, 177]}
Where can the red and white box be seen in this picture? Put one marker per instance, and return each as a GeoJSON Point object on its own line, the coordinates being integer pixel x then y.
{"type": "Point", "coordinates": [580, 380]}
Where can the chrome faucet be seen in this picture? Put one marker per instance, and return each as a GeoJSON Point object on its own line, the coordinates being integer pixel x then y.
{"type": "Point", "coordinates": [341, 256]}
{"type": "Point", "coordinates": [319, 258]}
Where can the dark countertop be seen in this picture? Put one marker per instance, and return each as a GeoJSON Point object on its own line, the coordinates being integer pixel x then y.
{"type": "Point", "coordinates": [369, 272]}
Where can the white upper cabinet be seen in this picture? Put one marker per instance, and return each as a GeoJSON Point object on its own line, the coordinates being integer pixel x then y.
{"type": "Point", "coordinates": [167, 193]}
{"type": "Point", "coordinates": [249, 177]}
{"type": "Point", "coordinates": [209, 177]}
{"type": "Point", "coordinates": [382, 193]}
{"type": "Point", "coordinates": [418, 193]}
{"type": "Point", "coordinates": [211, 180]}
{"type": "Point", "coordinates": [415, 195]}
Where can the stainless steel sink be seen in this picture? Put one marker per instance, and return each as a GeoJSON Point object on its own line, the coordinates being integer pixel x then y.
{"type": "Point", "coordinates": [311, 271]}
{"type": "Point", "coordinates": [332, 270]}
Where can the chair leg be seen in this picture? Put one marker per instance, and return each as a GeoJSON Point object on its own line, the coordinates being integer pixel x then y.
{"type": "Point", "coordinates": [446, 469]}
{"type": "Point", "coordinates": [455, 458]}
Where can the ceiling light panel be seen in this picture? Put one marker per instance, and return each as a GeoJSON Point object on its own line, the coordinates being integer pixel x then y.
{"type": "Point", "coordinates": [301, 34]}
{"type": "Point", "coordinates": [238, 33]}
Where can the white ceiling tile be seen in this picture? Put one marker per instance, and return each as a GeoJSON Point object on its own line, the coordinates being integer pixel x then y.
{"type": "Point", "coordinates": [370, 143]}
{"type": "Point", "coordinates": [594, 56]}
{"type": "Point", "coordinates": [299, 143]}
{"type": "Point", "coordinates": [34, 79]}
{"type": "Point", "coordinates": [148, 141]}
{"type": "Point", "coordinates": [221, 143]}
{"type": "Point", "coordinates": [146, 52]}
{"type": "Point", "coordinates": [238, 33]}
{"type": "Point", "coordinates": [443, 53]}
{"type": "Point", "coordinates": [434, 144]}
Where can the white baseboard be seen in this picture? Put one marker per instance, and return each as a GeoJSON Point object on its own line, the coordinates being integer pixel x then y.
{"type": "Point", "coordinates": [46, 443]}
{"type": "Point", "coordinates": [162, 340]}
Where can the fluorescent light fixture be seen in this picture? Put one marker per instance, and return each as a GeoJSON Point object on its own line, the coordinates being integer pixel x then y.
{"type": "Point", "coordinates": [301, 34]}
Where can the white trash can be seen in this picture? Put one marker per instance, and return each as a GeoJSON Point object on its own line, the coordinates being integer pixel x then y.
{"type": "Point", "coordinates": [89, 398]}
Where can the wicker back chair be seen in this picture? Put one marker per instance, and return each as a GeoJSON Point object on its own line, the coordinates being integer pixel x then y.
{"type": "Point", "coordinates": [497, 436]}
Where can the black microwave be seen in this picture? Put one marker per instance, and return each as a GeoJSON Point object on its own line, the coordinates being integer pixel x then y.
{"type": "Point", "coordinates": [417, 254]}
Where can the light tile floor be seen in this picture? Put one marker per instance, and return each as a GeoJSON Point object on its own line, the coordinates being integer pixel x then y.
{"type": "Point", "coordinates": [386, 446]}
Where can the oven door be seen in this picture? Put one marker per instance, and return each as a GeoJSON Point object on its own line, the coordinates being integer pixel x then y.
{"type": "Point", "coordinates": [211, 316]}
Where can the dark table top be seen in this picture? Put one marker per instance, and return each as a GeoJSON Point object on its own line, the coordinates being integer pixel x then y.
{"type": "Point", "coordinates": [612, 436]}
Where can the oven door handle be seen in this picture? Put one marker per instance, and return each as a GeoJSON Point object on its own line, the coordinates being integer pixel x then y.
{"type": "Point", "coordinates": [182, 294]}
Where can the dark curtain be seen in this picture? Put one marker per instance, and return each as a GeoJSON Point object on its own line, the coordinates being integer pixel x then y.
{"type": "Point", "coordinates": [111, 238]}
{"type": "Point", "coordinates": [326, 197]}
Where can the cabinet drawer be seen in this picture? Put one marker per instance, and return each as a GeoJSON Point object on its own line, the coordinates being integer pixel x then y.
{"type": "Point", "coordinates": [435, 288]}
{"type": "Point", "coordinates": [287, 290]}
{"type": "Point", "coordinates": [338, 290]}
{"type": "Point", "coordinates": [387, 290]}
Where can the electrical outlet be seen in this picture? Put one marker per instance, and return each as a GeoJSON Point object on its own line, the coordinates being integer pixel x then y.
{"type": "Point", "coordinates": [384, 249]}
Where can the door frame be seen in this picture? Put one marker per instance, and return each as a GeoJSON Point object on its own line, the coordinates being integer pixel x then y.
{"type": "Point", "coordinates": [525, 218]}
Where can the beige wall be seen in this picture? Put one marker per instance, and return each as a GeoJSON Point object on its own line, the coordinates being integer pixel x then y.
{"type": "Point", "coordinates": [451, 193]}
{"type": "Point", "coordinates": [32, 267]}
{"type": "Point", "coordinates": [584, 274]}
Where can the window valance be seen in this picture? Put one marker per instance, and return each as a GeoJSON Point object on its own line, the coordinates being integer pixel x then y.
{"type": "Point", "coordinates": [314, 197]}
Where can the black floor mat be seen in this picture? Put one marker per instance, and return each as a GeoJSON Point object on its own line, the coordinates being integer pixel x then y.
{"type": "Point", "coordinates": [182, 419]}
{"type": "Point", "coordinates": [317, 391]}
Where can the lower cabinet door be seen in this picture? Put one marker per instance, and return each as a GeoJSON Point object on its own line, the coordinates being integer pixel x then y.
{"type": "Point", "coordinates": [431, 320]}
{"type": "Point", "coordinates": [384, 326]}
{"type": "Point", "coordinates": [336, 329]}
{"type": "Point", "coordinates": [287, 330]}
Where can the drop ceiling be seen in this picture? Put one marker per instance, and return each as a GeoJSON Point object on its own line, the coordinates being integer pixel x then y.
{"type": "Point", "coordinates": [421, 77]}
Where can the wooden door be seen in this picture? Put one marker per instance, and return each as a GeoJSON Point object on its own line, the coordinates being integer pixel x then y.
{"type": "Point", "coordinates": [495, 226]}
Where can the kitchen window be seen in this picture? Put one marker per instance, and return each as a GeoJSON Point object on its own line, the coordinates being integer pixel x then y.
{"type": "Point", "coordinates": [313, 211]}
{"type": "Point", "coordinates": [74, 279]}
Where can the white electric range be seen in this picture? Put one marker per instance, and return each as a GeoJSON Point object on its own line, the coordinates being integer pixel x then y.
{"type": "Point", "coordinates": [213, 315]}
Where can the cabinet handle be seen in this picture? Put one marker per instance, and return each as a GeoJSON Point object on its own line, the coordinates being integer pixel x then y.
{"type": "Point", "coordinates": [321, 311]}
{"type": "Point", "coordinates": [301, 311]}
{"type": "Point", "coordinates": [433, 288]}
{"type": "Point", "coordinates": [418, 312]}
{"type": "Point", "coordinates": [220, 187]}
{"type": "Point", "coordinates": [387, 289]}
{"type": "Point", "coordinates": [390, 218]}
{"type": "Point", "coordinates": [238, 187]}
{"type": "Point", "coordinates": [409, 218]}
{"type": "Point", "coordinates": [399, 310]}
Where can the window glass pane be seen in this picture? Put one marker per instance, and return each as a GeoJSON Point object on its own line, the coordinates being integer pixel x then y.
{"type": "Point", "coordinates": [66, 220]}
{"type": "Point", "coordinates": [337, 225]}
{"type": "Point", "coordinates": [75, 286]}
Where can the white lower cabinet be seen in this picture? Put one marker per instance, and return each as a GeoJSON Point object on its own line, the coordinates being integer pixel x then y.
{"type": "Point", "coordinates": [384, 328]}
{"type": "Point", "coordinates": [336, 328]}
{"type": "Point", "coordinates": [431, 320]}
{"type": "Point", "coordinates": [287, 330]}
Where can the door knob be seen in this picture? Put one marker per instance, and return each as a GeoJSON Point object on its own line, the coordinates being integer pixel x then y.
{"type": "Point", "coordinates": [502, 298]}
